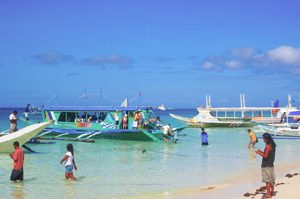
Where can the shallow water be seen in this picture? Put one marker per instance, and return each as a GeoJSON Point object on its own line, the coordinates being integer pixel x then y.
{"type": "Point", "coordinates": [114, 169]}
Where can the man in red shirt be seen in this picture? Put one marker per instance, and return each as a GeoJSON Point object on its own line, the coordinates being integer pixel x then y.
{"type": "Point", "coordinates": [18, 157]}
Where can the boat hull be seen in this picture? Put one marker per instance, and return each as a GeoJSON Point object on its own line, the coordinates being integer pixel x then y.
{"type": "Point", "coordinates": [22, 136]}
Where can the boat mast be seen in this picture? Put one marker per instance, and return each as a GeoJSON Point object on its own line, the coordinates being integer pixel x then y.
{"type": "Point", "coordinates": [56, 98]}
{"type": "Point", "coordinates": [85, 103]}
{"type": "Point", "coordinates": [140, 99]}
{"type": "Point", "coordinates": [100, 97]}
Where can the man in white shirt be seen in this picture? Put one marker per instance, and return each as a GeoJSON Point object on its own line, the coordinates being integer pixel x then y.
{"type": "Point", "coordinates": [13, 122]}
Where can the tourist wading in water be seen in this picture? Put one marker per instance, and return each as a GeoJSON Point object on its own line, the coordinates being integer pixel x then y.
{"type": "Point", "coordinates": [18, 157]}
{"type": "Point", "coordinates": [204, 137]}
{"type": "Point", "coordinates": [267, 165]}
{"type": "Point", "coordinates": [69, 158]}
{"type": "Point", "coordinates": [253, 139]}
{"type": "Point", "coordinates": [166, 132]}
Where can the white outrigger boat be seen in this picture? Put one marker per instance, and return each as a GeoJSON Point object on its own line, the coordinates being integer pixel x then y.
{"type": "Point", "coordinates": [237, 116]}
{"type": "Point", "coordinates": [290, 127]}
{"type": "Point", "coordinates": [22, 136]}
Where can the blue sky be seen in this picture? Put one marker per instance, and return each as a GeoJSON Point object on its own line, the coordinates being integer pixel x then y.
{"type": "Point", "coordinates": [173, 52]}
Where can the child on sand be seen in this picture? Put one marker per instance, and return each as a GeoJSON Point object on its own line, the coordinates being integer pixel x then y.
{"type": "Point", "coordinates": [69, 158]}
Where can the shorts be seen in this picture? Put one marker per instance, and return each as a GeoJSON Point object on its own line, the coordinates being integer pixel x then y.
{"type": "Point", "coordinates": [16, 175]}
{"type": "Point", "coordinates": [117, 122]}
{"type": "Point", "coordinates": [204, 143]}
{"type": "Point", "coordinates": [134, 124]}
{"type": "Point", "coordinates": [268, 175]}
{"type": "Point", "coordinates": [69, 168]}
{"type": "Point", "coordinates": [254, 142]}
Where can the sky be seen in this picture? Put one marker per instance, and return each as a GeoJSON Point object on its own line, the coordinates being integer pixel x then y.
{"type": "Point", "coordinates": [173, 52]}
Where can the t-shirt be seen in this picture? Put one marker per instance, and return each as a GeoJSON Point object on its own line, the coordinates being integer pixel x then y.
{"type": "Point", "coordinates": [204, 137]}
{"type": "Point", "coordinates": [12, 117]}
{"type": "Point", "coordinates": [117, 117]}
{"type": "Point", "coordinates": [252, 136]}
{"type": "Point", "coordinates": [147, 116]}
{"type": "Point", "coordinates": [166, 129]}
{"type": "Point", "coordinates": [175, 134]}
{"type": "Point", "coordinates": [18, 158]}
{"type": "Point", "coordinates": [69, 160]}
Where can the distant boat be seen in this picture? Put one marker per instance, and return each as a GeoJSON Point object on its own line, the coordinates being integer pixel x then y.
{"type": "Point", "coordinates": [162, 107]}
{"type": "Point", "coordinates": [292, 131]}
{"type": "Point", "coordinates": [235, 117]}
{"type": "Point", "coordinates": [22, 136]}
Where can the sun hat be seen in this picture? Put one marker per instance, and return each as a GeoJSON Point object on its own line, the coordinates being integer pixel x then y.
{"type": "Point", "coordinates": [125, 114]}
{"type": "Point", "coordinates": [174, 129]}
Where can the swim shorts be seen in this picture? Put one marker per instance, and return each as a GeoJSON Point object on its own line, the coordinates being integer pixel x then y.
{"type": "Point", "coordinates": [16, 175]}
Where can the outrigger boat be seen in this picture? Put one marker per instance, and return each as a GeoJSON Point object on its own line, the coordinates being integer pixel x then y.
{"type": "Point", "coordinates": [236, 117]}
{"type": "Point", "coordinates": [22, 136]}
{"type": "Point", "coordinates": [289, 128]}
{"type": "Point", "coordinates": [98, 122]}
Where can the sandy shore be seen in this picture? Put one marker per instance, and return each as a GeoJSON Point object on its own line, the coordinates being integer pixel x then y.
{"type": "Point", "coordinates": [249, 181]}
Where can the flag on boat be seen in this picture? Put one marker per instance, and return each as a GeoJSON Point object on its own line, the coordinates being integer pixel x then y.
{"type": "Point", "coordinates": [274, 111]}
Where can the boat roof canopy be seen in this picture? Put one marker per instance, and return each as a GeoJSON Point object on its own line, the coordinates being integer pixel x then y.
{"type": "Point", "coordinates": [94, 108]}
{"type": "Point", "coordinates": [294, 113]}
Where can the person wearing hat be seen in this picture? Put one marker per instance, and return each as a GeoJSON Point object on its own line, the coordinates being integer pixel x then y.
{"type": "Point", "coordinates": [175, 133]}
{"type": "Point", "coordinates": [135, 120]}
{"type": "Point", "coordinates": [140, 118]}
{"type": "Point", "coordinates": [13, 122]}
{"type": "Point", "coordinates": [124, 121]}
{"type": "Point", "coordinates": [117, 118]}
{"type": "Point", "coordinates": [253, 139]}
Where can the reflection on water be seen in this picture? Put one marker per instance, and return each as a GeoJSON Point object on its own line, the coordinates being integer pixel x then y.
{"type": "Point", "coordinates": [18, 192]}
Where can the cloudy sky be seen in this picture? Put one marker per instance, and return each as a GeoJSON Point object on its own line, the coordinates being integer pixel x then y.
{"type": "Point", "coordinates": [173, 52]}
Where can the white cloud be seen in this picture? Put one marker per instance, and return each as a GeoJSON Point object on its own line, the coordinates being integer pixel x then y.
{"type": "Point", "coordinates": [53, 58]}
{"type": "Point", "coordinates": [210, 66]}
{"type": "Point", "coordinates": [283, 55]}
{"type": "Point", "coordinates": [233, 64]}
{"type": "Point", "coordinates": [243, 53]}
{"type": "Point", "coordinates": [284, 59]}
{"type": "Point", "coordinates": [103, 60]}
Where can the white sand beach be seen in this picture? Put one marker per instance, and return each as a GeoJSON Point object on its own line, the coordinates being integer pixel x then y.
{"type": "Point", "coordinates": [288, 188]}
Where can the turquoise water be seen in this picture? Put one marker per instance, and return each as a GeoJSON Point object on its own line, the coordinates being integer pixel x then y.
{"type": "Point", "coordinates": [115, 169]}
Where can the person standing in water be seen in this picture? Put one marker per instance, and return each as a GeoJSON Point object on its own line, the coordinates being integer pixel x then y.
{"type": "Point", "coordinates": [267, 165]}
{"type": "Point", "coordinates": [175, 134]}
{"type": "Point", "coordinates": [27, 110]}
{"type": "Point", "coordinates": [18, 157]}
{"type": "Point", "coordinates": [166, 131]}
{"type": "Point", "coordinates": [69, 158]}
{"type": "Point", "coordinates": [204, 137]}
{"type": "Point", "coordinates": [252, 139]}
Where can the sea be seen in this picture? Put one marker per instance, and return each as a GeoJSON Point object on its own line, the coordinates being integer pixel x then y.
{"type": "Point", "coordinates": [138, 169]}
